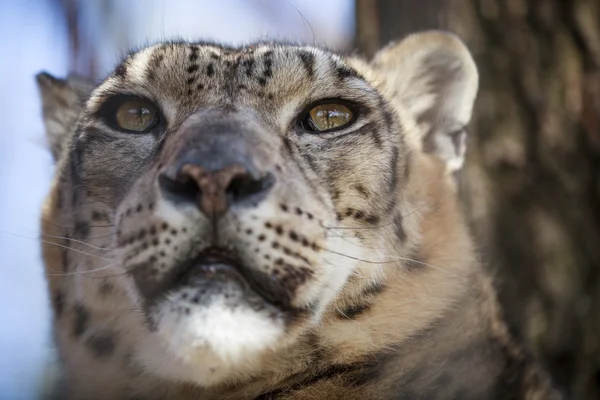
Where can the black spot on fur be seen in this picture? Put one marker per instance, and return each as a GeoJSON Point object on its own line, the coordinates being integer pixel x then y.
{"type": "Point", "coordinates": [344, 72]}
{"type": "Point", "coordinates": [210, 70]}
{"type": "Point", "coordinates": [102, 344]}
{"type": "Point", "coordinates": [388, 117]}
{"type": "Point", "coordinates": [377, 138]}
{"type": "Point", "coordinates": [268, 72]}
{"type": "Point", "coordinates": [335, 194]}
{"type": "Point", "coordinates": [371, 219]}
{"type": "Point", "coordinates": [154, 63]}
{"type": "Point", "coordinates": [262, 81]}
{"type": "Point", "coordinates": [353, 311]}
{"type": "Point", "coordinates": [308, 61]}
{"type": "Point", "coordinates": [374, 289]}
{"type": "Point", "coordinates": [358, 214]}
{"type": "Point", "coordinates": [142, 234]}
{"type": "Point", "coordinates": [193, 68]}
{"type": "Point", "coordinates": [193, 53]}
{"type": "Point", "coordinates": [106, 288]}
{"type": "Point", "coordinates": [99, 216]}
{"type": "Point", "coordinates": [361, 190]}
{"type": "Point", "coordinates": [81, 320]}
{"type": "Point", "coordinates": [82, 229]}
{"type": "Point", "coordinates": [399, 228]}
{"type": "Point", "coordinates": [248, 66]}
{"type": "Point", "coordinates": [121, 70]}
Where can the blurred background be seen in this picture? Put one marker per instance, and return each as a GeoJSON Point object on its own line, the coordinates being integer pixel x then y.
{"type": "Point", "coordinates": [530, 188]}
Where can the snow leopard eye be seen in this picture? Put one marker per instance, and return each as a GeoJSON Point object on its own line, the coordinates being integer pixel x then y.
{"type": "Point", "coordinates": [327, 117]}
{"type": "Point", "coordinates": [130, 114]}
{"type": "Point", "coordinates": [137, 115]}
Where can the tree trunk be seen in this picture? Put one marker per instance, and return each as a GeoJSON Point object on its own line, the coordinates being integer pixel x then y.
{"type": "Point", "coordinates": [381, 21]}
{"type": "Point", "coordinates": [531, 184]}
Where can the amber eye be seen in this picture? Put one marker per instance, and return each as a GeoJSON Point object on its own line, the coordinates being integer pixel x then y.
{"type": "Point", "coordinates": [327, 117]}
{"type": "Point", "coordinates": [137, 115]}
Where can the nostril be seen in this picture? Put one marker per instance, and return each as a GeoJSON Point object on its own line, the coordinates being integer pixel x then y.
{"type": "Point", "coordinates": [213, 192]}
{"type": "Point", "coordinates": [181, 189]}
{"type": "Point", "coordinates": [244, 186]}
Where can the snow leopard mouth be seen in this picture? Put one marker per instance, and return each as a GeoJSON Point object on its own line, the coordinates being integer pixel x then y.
{"type": "Point", "coordinates": [215, 266]}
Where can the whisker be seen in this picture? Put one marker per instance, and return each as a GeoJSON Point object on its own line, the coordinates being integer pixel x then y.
{"type": "Point", "coordinates": [106, 276]}
{"type": "Point", "coordinates": [68, 228]}
{"type": "Point", "coordinates": [378, 226]}
{"type": "Point", "coordinates": [83, 275]}
{"type": "Point", "coordinates": [56, 244]}
{"type": "Point", "coordinates": [50, 223]}
{"type": "Point", "coordinates": [102, 236]}
{"type": "Point", "coordinates": [76, 241]}
{"type": "Point", "coordinates": [72, 249]}
{"type": "Point", "coordinates": [417, 209]}
{"type": "Point", "coordinates": [394, 259]}
{"type": "Point", "coordinates": [82, 272]}
{"type": "Point", "coordinates": [312, 31]}
{"type": "Point", "coordinates": [357, 228]}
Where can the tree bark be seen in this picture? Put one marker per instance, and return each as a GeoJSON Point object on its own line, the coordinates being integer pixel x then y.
{"type": "Point", "coordinates": [531, 184]}
{"type": "Point", "coordinates": [381, 21]}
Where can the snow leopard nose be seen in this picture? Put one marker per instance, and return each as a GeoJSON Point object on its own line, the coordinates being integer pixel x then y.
{"type": "Point", "coordinates": [213, 167]}
{"type": "Point", "coordinates": [214, 191]}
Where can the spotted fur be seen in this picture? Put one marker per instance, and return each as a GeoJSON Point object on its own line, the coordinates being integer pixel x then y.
{"type": "Point", "coordinates": [370, 284]}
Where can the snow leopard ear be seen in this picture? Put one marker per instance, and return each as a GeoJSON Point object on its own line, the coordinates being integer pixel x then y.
{"type": "Point", "coordinates": [433, 77]}
{"type": "Point", "coordinates": [62, 102]}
